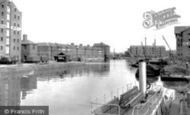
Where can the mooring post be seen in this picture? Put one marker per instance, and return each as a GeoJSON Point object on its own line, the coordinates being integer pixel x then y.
{"type": "Point", "coordinates": [142, 76]}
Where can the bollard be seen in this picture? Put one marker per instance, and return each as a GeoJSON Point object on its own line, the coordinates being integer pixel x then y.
{"type": "Point", "coordinates": [142, 77]}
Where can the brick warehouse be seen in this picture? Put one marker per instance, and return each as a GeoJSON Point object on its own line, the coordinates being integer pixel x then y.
{"type": "Point", "coordinates": [148, 51]}
{"type": "Point", "coordinates": [182, 34]}
{"type": "Point", "coordinates": [10, 30]}
{"type": "Point", "coordinates": [75, 52]}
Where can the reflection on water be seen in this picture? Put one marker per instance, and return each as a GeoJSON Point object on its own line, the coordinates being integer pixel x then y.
{"type": "Point", "coordinates": [65, 89]}
{"type": "Point", "coordinates": [13, 88]}
{"type": "Point", "coordinates": [71, 70]}
{"type": "Point", "coordinates": [10, 90]}
{"type": "Point", "coordinates": [68, 89]}
{"type": "Point", "coordinates": [27, 84]}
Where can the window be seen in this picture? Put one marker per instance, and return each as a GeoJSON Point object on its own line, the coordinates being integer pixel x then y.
{"type": "Point", "coordinates": [14, 16]}
{"type": "Point", "coordinates": [1, 30]}
{"type": "Point", "coordinates": [18, 32]}
{"type": "Point", "coordinates": [18, 40]}
{"type": "Point", "coordinates": [14, 48]}
{"type": "Point", "coordinates": [14, 32]}
{"type": "Point", "coordinates": [1, 38]}
{"type": "Point", "coordinates": [15, 9]}
{"type": "Point", "coordinates": [2, 22]}
{"type": "Point", "coordinates": [18, 17]}
{"type": "Point", "coordinates": [18, 25]}
{"type": "Point", "coordinates": [14, 24]}
{"type": "Point", "coordinates": [2, 6]}
{"type": "Point", "coordinates": [33, 47]}
{"type": "Point", "coordinates": [17, 48]}
{"type": "Point", "coordinates": [14, 40]}
{"type": "Point", "coordinates": [2, 13]}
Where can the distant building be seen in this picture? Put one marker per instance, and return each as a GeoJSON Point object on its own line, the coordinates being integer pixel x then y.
{"type": "Point", "coordinates": [148, 51]}
{"type": "Point", "coordinates": [45, 50]}
{"type": "Point", "coordinates": [105, 49]}
{"type": "Point", "coordinates": [10, 29]}
{"type": "Point", "coordinates": [29, 50]}
{"type": "Point", "coordinates": [182, 34]}
{"type": "Point", "coordinates": [74, 52]}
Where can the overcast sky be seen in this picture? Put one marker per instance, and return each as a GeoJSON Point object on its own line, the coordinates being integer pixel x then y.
{"type": "Point", "coordinates": [117, 23]}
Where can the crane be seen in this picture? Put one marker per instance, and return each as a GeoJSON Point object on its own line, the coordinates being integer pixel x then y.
{"type": "Point", "coordinates": [170, 53]}
{"type": "Point", "coordinates": [166, 42]}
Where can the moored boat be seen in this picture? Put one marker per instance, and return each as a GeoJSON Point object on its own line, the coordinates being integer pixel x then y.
{"type": "Point", "coordinates": [152, 71]}
{"type": "Point", "coordinates": [174, 73]}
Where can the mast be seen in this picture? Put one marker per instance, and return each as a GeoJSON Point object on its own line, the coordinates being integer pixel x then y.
{"type": "Point", "coordinates": [145, 49]}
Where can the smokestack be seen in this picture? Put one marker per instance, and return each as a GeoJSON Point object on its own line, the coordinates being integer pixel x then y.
{"type": "Point", "coordinates": [142, 76]}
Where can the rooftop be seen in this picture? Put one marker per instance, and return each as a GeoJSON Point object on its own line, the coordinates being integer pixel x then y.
{"type": "Point", "coordinates": [179, 29]}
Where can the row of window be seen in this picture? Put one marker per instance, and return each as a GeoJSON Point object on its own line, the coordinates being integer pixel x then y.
{"type": "Point", "coordinates": [16, 25]}
{"type": "Point", "coordinates": [15, 16]}
{"type": "Point", "coordinates": [14, 40]}
{"type": "Point", "coordinates": [14, 32]}
{"type": "Point", "coordinates": [14, 48]}
{"type": "Point", "coordinates": [3, 6]}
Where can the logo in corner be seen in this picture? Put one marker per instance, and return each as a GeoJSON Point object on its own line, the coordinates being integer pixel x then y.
{"type": "Point", "coordinates": [160, 19]}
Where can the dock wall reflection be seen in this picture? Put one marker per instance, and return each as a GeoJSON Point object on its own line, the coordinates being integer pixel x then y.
{"type": "Point", "coordinates": [15, 84]}
{"type": "Point", "coordinates": [13, 87]}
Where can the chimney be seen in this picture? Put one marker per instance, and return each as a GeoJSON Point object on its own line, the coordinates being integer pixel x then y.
{"type": "Point", "coordinates": [25, 37]}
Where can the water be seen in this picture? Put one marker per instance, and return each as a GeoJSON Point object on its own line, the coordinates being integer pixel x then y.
{"type": "Point", "coordinates": [67, 90]}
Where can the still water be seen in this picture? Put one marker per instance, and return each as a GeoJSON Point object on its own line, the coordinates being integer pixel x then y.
{"type": "Point", "coordinates": [66, 90]}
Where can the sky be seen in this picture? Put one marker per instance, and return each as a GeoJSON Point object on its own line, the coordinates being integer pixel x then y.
{"type": "Point", "coordinates": [117, 23]}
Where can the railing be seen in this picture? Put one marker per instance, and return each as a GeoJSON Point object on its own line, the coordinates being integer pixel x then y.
{"type": "Point", "coordinates": [148, 106]}
{"type": "Point", "coordinates": [98, 112]}
{"type": "Point", "coordinates": [101, 101]}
